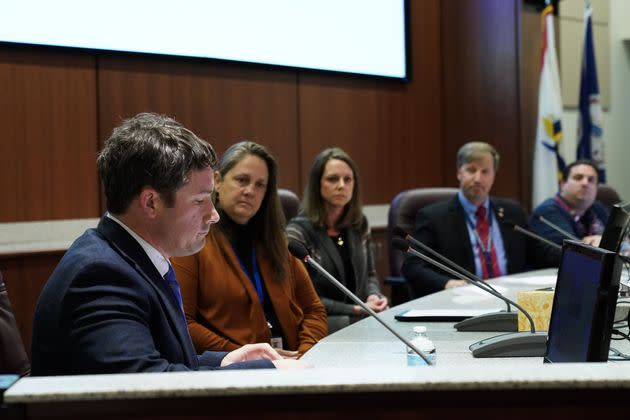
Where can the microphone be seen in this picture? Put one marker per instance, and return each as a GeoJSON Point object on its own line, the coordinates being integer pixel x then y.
{"type": "Point", "coordinates": [518, 344]}
{"type": "Point", "coordinates": [398, 231]}
{"type": "Point", "coordinates": [626, 260]}
{"type": "Point", "coordinates": [556, 227]}
{"type": "Point", "coordinates": [299, 251]}
{"type": "Point", "coordinates": [531, 234]}
{"type": "Point", "coordinates": [494, 321]}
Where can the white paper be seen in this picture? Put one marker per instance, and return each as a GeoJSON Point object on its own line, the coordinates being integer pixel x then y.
{"type": "Point", "coordinates": [435, 313]}
{"type": "Point", "coordinates": [538, 281]}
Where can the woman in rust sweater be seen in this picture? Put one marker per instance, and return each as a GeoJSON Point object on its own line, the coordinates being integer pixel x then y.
{"type": "Point", "coordinates": [243, 286]}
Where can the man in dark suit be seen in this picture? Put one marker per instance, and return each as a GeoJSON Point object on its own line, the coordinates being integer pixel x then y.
{"type": "Point", "coordinates": [471, 229]}
{"type": "Point", "coordinates": [113, 305]}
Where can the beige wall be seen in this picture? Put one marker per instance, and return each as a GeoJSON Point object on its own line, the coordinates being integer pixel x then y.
{"type": "Point", "coordinates": [571, 41]}
{"type": "Point", "coordinates": [616, 123]}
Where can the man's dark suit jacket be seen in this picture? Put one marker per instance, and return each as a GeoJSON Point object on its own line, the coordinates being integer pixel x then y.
{"type": "Point", "coordinates": [106, 309]}
{"type": "Point", "coordinates": [442, 227]}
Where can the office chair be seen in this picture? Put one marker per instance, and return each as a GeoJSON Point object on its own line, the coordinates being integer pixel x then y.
{"type": "Point", "coordinates": [13, 358]}
{"type": "Point", "coordinates": [607, 195]}
{"type": "Point", "coordinates": [402, 213]}
{"type": "Point", "coordinates": [290, 203]}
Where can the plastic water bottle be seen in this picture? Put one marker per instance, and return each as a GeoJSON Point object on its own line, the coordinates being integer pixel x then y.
{"type": "Point", "coordinates": [422, 342]}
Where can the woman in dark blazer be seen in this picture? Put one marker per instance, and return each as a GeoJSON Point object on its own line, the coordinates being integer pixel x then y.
{"type": "Point", "coordinates": [334, 230]}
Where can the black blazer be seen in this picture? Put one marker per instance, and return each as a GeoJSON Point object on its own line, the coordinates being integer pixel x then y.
{"type": "Point", "coordinates": [442, 227]}
{"type": "Point", "coordinates": [324, 251]}
{"type": "Point", "coordinates": [106, 309]}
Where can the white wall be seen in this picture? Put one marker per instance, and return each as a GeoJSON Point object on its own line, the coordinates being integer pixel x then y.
{"type": "Point", "coordinates": [616, 120]}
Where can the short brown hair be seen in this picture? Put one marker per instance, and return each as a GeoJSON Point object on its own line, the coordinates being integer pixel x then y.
{"type": "Point", "coordinates": [149, 150]}
{"type": "Point", "coordinates": [473, 150]}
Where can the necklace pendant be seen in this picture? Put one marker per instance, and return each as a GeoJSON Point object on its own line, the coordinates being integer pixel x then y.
{"type": "Point", "coordinates": [339, 240]}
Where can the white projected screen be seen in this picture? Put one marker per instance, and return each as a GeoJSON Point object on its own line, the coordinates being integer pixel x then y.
{"type": "Point", "coordinates": [353, 36]}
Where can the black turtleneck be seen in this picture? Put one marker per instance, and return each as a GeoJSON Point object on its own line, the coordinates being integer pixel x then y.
{"type": "Point", "coordinates": [241, 238]}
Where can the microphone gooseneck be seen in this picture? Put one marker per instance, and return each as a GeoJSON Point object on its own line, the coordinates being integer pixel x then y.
{"type": "Point", "coordinates": [299, 251]}
{"type": "Point", "coordinates": [516, 227]}
{"type": "Point", "coordinates": [404, 246]}
{"type": "Point", "coordinates": [556, 227]}
{"type": "Point", "coordinates": [400, 244]}
{"type": "Point", "coordinates": [466, 275]}
{"type": "Point", "coordinates": [533, 235]}
{"type": "Point", "coordinates": [529, 344]}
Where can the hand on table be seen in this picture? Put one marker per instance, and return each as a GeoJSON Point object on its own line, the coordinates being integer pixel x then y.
{"type": "Point", "coordinates": [454, 283]}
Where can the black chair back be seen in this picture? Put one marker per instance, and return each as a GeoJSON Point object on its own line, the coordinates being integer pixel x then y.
{"type": "Point", "coordinates": [402, 213]}
{"type": "Point", "coordinates": [607, 195]}
{"type": "Point", "coordinates": [290, 203]}
{"type": "Point", "coordinates": [13, 358]}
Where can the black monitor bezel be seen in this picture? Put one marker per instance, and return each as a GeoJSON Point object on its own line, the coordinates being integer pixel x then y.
{"type": "Point", "coordinates": [605, 303]}
{"type": "Point", "coordinates": [616, 227]}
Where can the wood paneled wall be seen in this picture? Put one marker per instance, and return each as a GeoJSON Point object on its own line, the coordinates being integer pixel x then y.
{"type": "Point", "coordinates": [58, 106]}
{"type": "Point", "coordinates": [25, 276]}
{"type": "Point", "coordinates": [48, 143]}
{"type": "Point", "coordinates": [481, 92]}
{"type": "Point", "coordinates": [221, 103]}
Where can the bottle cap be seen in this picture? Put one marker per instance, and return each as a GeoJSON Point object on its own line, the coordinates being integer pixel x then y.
{"type": "Point", "coordinates": [420, 329]}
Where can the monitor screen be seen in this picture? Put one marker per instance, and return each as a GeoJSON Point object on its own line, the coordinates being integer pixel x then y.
{"type": "Point", "coordinates": [584, 304]}
{"type": "Point", "coordinates": [367, 37]}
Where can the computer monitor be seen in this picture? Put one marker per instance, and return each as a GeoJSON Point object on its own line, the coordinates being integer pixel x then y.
{"type": "Point", "coordinates": [616, 227]}
{"type": "Point", "coordinates": [583, 305]}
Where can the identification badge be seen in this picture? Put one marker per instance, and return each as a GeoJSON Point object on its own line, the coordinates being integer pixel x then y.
{"type": "Point", "coordinates": [276, 342]}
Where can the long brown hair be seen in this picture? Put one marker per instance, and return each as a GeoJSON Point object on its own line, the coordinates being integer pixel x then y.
{"type": "Point", "coordinates": [268, 222]}
{"type": "Point", "coordinates": [313, 205]}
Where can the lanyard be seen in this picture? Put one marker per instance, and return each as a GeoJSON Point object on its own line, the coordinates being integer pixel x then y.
{"type": "Point", "coordinates": [484, 248]}
{"type": "Point", "coordinates": [257, 280]}
{"type": "Point", "coordinates": [487, 250]}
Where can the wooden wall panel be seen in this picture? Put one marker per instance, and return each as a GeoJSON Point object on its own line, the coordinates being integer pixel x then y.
{"type": "Point", "coordinates": [25, 276]}
{"type": "Point", "coordinates": [222, 103]}
{"type": "Point", "coordinates": [480, 60]}
{"type": "Point", "coordinates": [390, 128]}
{"type": "Point", "coordinates": [48, 119]}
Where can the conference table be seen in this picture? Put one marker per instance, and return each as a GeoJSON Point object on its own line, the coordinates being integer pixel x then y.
{"type": "Point", "coordinates": [358, 371]}
{"type": "Point", "coordinates": [368, 343]}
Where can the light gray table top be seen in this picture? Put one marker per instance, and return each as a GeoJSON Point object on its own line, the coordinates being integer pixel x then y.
{"type": "Point", "coordinates": [351, 360]}
{"type": "Point", "coordinates": [368, 343]}
{"type": "Point", "coordinates": [318, 380]}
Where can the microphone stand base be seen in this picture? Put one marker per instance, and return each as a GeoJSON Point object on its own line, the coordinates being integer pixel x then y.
{"type": "Point", "coordinates": [521, 344]}
{"type": "Point", "coordinates": [494, 321]}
